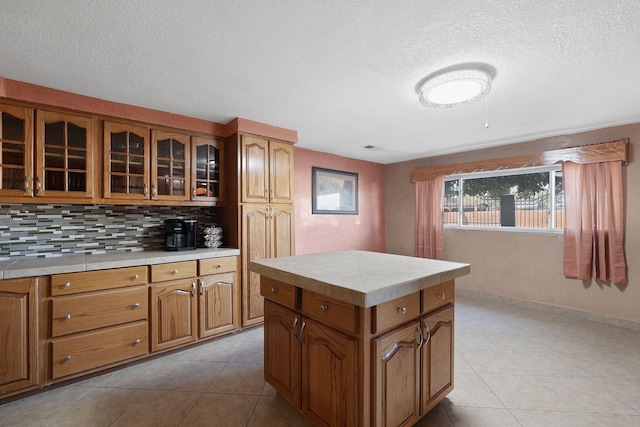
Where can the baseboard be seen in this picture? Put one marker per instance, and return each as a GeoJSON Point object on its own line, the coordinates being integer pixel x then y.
{"type": "Point", "coordinates": [587, 315]}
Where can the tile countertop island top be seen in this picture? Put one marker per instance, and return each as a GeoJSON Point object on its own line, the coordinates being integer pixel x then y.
{"type": "Point", "coordinates": [30, 267]}
{"type": "Point", "coordinates": [362, 278]}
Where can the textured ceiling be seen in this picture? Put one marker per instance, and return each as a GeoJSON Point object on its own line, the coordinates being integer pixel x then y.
{"type": "Point", "coordinates": [341, 73]}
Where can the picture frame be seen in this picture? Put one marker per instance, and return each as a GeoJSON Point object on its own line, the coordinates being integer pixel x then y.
{"type": "Point", "coordinates": [334, 192]}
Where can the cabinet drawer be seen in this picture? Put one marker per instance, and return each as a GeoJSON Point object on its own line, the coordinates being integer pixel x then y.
{"type": "Point", "coordinates": [437, 296]}
{"type": "Point", "coordinates": [328, 310]}
{"type": "Point", "coordinates": [95, 349]}
{"type": "Point", "coordinates": [218, 265]}
{"type": "Point", "coordinates": [73, 283]}
{"type": "Point", "coordinates": [173, 270]}
{"type": "Point", "coordinates": [79, 313]}
{"type": "Point", "coordinates": [394, 313]}
{"type": "Point", "coordinates": [279, 292]}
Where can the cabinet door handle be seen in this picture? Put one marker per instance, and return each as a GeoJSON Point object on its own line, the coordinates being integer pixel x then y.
{"type": "Point", "coordinates": [154, 192]}
{"type": "Point", "coordinates": [402, 310]}
{"type": "Point", "coordinates": [301, 331]}
{"type": "Point", "coordinates": [135, 277]}
{"type": "Point", "coordinates": [67, 317]}
{"type": "Point", "coordinates": [323, 307]}
{"type": "Point", "coordinates": [201, 287]}
{"type": "Point", "coordinates": [421, 340]}
{"type": "Point", "coordinates": [219, 266]}
{"type": "Point", "coordinates": [193, 193]}
{"type": "Point", "coordinates": [38, 186]}
{"type": "Point", "coordinates": [193, 289]}
{"type": "Point", "coordinates": [274, 290]}
{"type": "Point", "coordinates": [66, 358]}
{"type": "Point", "coordinates": [174, 272]}
{"type": "Point", "coordinates": [145, 190]}
{"type": "Point", "coordinates": [66, 285]}
{"type": "Point", "coordinates": [137, 341]}
{"type": "Point", "coordinates": [441, 295]}
{"type": "Point", "coordinates": [27, 188]}
{"type": "Point", "coordinates": [426, 325]}
{"type": "Point", "coordinates": [136, 305]}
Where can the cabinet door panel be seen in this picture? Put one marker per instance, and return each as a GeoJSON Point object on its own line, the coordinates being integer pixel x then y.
{"type": "Point", "coordinates": [207, 173]}
{"type": "Point", "coordinates": [281, 172]}
{"type": "Point", "coordinates": [255, 169]}
{"type": "Point", "coordinates": [328, 375]}
{"type": "Point", "coordinates": [282, 351]}
{"type": "Point", "coordinates": [255, 246]}
{"type": "Point", "coordinates": [282, 235]}
{"type": "Point", "coordinates": [18, 352]}
{"type": "Point", "coordinates": [173, 314]}
{"type": "Point", "coordinates": [64, 161]}
{"type": "Point", "coordinates": [171, 168]}
{"type": "Point", "coordinates": [216, 304]}
{"type": "Point", "coordinates": [16, 151]}
{"type": "Point", "coordinates": [126, 161]}
{"type": "Point", "coordinates": [396, 376]}
{"type": "Point", "coordinates": [437, 355]}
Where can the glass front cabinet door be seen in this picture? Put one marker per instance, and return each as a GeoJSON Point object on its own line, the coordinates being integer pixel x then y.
{"type": "Point", "coordinates": [16, 149]}
{"type": "Point", "coordinates": [207, 170]}
{"type": "Point", "coordinates": [64, 160]}
{"type": "Point", "coordinates": [126, 161]}
{"type": "Point", "coordinates": [170, 168]}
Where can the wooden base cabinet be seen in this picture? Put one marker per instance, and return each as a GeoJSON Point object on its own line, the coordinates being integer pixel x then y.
{"type": "Point", "coordinates": [18, 335]}
{"type": "Point", "coordinates": [344, 365]}
{"type": "Point", "coordinates": [191, 300]}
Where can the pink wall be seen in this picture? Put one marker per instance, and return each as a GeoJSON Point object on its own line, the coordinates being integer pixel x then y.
{"type": "Point", "coordinates": [323, 233]}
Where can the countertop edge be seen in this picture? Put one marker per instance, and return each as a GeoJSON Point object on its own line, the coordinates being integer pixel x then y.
{"type": "Point", "coordinates": [33, 267]}
{"type": "Point", "coordinates": [357, 297]}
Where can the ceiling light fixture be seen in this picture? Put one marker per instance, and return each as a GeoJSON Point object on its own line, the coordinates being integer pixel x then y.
{"type": "Point", "coordinates": [454, 86]}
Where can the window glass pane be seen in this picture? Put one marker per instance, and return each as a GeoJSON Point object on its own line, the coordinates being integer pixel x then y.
{"type": "Point", "coordinates": [54, 157]}
{"type": "Point", "coordinates": [12, 178]}
{"type": "Point", "coordinates": [119, 184]}
{"type": "Point", "coordinates": [77, 160]}
{"type": "Point", "coordinates": [77, 136]}
{"type": "Point", "coordinates": [54, 180]}
{"type": "Point", "coordinates": [13, 154]}
{"type": "Point", "coordinates": [163, 148]}
{"type": "Point", "coordinates": [201, 153]}
{"type": "Point", "coordinates": [119, 142]}
{"type": "Point", "coordinates": [77, 181]}
{"type": "Point", "coordinates": [136, 185]}
{"type": "Point", "coordinates": [12, 128]}
{"type": "Point", "coordinates": [512, 200]}
{"type": "Point", "coordinates": [54, 133]}
{"type": "Point", "coordinates": [177, 150]}
{"type": "Point", "coordinates": [136, 144]}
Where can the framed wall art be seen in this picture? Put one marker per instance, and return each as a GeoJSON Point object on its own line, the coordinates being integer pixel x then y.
{"type": "Point", "coordinates": [334, 192]}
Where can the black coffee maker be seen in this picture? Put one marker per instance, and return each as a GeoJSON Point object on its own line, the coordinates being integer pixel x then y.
{"type": "Point", "coordinates": [180, 234]}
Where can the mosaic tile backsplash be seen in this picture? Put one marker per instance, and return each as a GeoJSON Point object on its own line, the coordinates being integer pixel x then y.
{"type": "Point", "coordinates": [54, 230]}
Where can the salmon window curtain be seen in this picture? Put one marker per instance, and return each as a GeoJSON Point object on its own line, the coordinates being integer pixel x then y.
{"type": "Point", "coordinates": [594, 223]}
{"type": "Point", "coordinates": [429, 222]}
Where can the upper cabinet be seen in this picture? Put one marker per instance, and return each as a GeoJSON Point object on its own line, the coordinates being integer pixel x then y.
{"type": "Point", "coordinates": [160, 165]}
{"type": "Point", "coordinates": [170, 166]}
{"type": "Point", "coordinates": [207, 157]}
{"type": "Point", "coordinates": [16, 147]}
{"type": "Point", "coordinates": [64, 160]}
{"type": "Point", "coordinates": [57, 163]}
{"type": "Point", "coordinates": [126, 161]}
{"type": "Point", "coordinates": [267, 171]}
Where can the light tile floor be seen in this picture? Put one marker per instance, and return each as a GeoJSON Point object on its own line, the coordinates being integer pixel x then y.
{"type": "Point", "coordinates": [515, 366]}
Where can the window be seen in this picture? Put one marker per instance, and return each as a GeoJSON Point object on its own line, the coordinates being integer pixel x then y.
{"type": "Point", "coordinates": [529, 198]}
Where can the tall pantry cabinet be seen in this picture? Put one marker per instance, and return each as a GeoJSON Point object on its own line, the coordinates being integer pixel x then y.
{"type": "Point", "coordinates": [260, 207]}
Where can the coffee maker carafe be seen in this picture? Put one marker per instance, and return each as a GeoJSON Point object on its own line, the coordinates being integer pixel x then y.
{"type": "Point", "coordinates": [180, 234]}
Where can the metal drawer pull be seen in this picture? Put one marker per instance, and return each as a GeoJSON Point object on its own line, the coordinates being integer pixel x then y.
{"type": "Point", "coordinates": [67, 317]}
{"type": "Point", "coordinates": [323, 307]}
{"type": "Point", "coordinates": [441, 295]}
{"type": "Point", "coordinates": [136, 342]}
{"type": "Point", "coordinates": [219, 266]}
{"type": "Point", "coordinates": [136, 305]}
{"type": "Point", "coordinates": [274, 290]}
{"type": "Point", "coordinates": [135, 277]}
{"type": "Point", "coordinates": [174, 272]}
{"type": "Point", "coordinates": [66, 285]}
{"type": "Point", "coordinates": [66, 358]}
{"type": "Point", "coordinates": [402, 310]}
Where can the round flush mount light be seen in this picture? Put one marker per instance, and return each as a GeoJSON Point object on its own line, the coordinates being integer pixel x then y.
{"type": "Point", "coordinates": [454, 86]}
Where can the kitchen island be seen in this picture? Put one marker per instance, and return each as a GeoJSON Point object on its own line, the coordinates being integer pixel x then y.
{"type": "Point", "coordinates": [355, 338]}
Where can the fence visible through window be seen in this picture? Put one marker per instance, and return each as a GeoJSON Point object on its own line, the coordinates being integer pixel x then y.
{"type": "Point", "coordinates": [525, 203]}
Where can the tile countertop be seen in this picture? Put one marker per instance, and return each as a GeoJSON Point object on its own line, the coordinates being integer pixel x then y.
{"type": "Point", "coordinates": [358, 277]}
{"type": "Point", "coordinates": [29, 267]}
